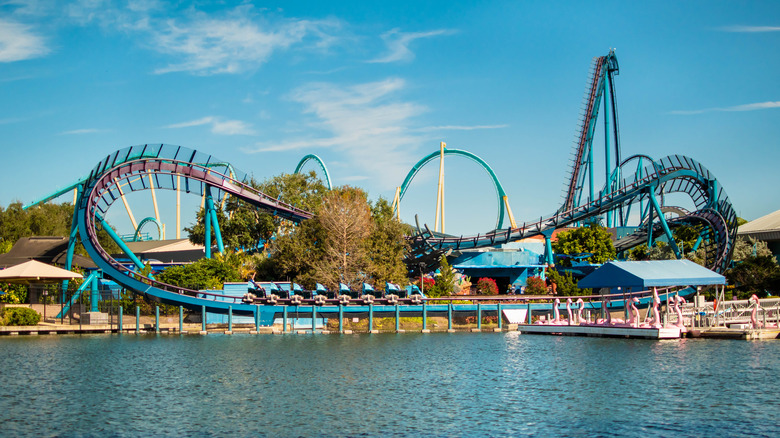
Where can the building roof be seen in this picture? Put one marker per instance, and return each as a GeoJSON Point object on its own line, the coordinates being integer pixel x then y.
{"type": "Point", "coordinates": [645, 274]}
{"type": "Point", "coordinates": [45, 249]}
{"type": "Point", "coordinates": [764, 228]}
{"type": "Point", "coordinates": [149, 246]}
{"type": "Point", "coordinates": [166, 251]}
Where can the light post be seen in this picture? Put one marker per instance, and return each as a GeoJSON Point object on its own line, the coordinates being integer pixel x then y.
{"type": "Point", "coordinates": [422, 279]}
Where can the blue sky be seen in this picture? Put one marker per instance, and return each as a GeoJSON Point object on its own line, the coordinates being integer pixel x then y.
{"type": "Point", "coordinates": [372, 87]}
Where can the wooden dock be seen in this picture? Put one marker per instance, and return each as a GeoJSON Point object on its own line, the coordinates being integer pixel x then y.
{"type": "Point", "coordinates": [735, 333]}
{"type": "Point", "coordinates": [602, 331]}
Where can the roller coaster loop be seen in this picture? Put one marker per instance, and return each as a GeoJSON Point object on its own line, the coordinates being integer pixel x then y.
{"type": "Point", "coordinates": [500, 193]}
{"type": "Point", "coordinates": [312, 157]}
{"type": "Point", "coordinates": [137, 235]}
{"type": "Point", "coordinates": [172, 168]}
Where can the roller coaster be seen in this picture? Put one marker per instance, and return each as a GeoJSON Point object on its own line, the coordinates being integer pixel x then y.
{"type": "Point", "coordinates": [637, 182]}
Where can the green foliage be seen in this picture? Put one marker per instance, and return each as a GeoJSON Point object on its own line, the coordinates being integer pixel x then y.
{"type": "Point", "coordinates": [14, 293]}
{"type": "Point", "coordinates": [295, 254]}
{"type": "Point", "coordinates": [686, 236]}
{"type": "Point", "coordinates": [535, 286]}
{"type": "Point", "coordinates": [637, 253]}
{"type": "Point", "coordinates": [749, 247]}
{"type": "Point", "coordinates": [20, 316]}
{"type": "Point", "coordinates": [204, 273]}
{"type": "Point", "coordinates": [386, 245]}
{"type": "Point", "coordinates": [755, 274]}
{"type": "Point", "coordinates": [565, 283]}
{"type": "Point", "coordinates": [445, 281]}
{"type": "Point", "coordinates": [660, 251]}
{"type": "Point", "coordinates": [43, 220]}
{"type": "Point", "coordinates": [304, 191]}
{"type": "Point", "coordinates": [487, 286]}
{"type": "Point", "coordinates": [592, 238]}
{"type": "Point", "coordinates": [5, 245]}
{"type": "Point", "coordinates": [243, 226]}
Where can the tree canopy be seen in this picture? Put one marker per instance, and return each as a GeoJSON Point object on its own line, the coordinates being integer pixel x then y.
{"type": "Point", "coordinates": [43, 220]}
{"type": "Point", "coordinates": [350, 241]}
{"type": "Point", "coordinates": [244, 227]}
{"type": "Point", "coordinates": [592, 238]}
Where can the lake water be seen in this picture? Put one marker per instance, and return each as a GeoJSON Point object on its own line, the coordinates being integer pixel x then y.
{"type": "Point", "coordinates": [458, 384]}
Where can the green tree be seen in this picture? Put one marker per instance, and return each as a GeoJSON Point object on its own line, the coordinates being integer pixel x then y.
{"type": "Point", "coordinates": [43, 220]}
{"type": "Point", "coordinates": [294, 255]}
{"type": "Point", "coordinates": [244, 226]}
{"type": "Point", "coordinates": [592, 238]}
{"type": "Point", "coordinates": [565, 283]}
{"type": "Point", "coordinates": [204, 273]}
{"type": "Point", "coordinates": [755, 274]}
{"type": "Point", "coordinates": [386, 245]}
{"type": "Point", "coordinates": [746, 247]}
{"type": "Point", "coordinates": [445, 280]}
{"type": "Point", "coordinates": [686, 236]}
{"type": "Point", "coordinates": [304, 191]}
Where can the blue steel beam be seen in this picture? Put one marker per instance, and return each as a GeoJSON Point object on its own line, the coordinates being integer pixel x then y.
{"type": "Point", "coordinates": [57, 193]}
{"type": "Point", "coordinates": [93, 277]}
{"type": "Point", "coordinates": [212, 211]}
{"type": "Point", "coordinates": [115, 237]}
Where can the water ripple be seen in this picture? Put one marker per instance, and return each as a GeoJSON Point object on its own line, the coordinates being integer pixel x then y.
{"type": "Point", "coordinates": [438, 385]}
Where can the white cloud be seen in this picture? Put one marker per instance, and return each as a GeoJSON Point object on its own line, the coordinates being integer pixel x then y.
{"type": "Point", "coordinates": [232, 44]}
{"type": "Point", "coordinates": [218, 126]}
{"type": "Point", "coordinates": [198, 122]}
{"type": "Point", "coordinates": [82, 131]}
{"type": "Point", "coordinates": [18, 42]}
{"type": "Point", "coordinates": [750, 29]}
{"type": "Point", "coordinates": [364, 123]}
{"type": "Point", "coordinates": [746, 107]}
{"type": "Point", "coordinates": [225, 40]}
{"type": "Point", "coordinates": [461, 127]}
{"type": "Point", "coordinates": [398, 44]}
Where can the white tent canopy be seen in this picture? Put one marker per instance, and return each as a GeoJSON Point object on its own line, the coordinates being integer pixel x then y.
{"type": "Point", "coordinates": [35, 272]}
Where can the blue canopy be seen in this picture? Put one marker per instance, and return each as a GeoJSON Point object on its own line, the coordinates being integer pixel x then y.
{"type": "Point", "coordinates": [646, 274]}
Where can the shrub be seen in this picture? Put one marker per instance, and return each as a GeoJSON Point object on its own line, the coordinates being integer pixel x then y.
{"type": "Point", "coordinates": [487, 286]}
{"type": "Point", "coordinates": [20, 316]}
{"type": "Point", "coordinates": [429, 283]}
{"type": "Point", "coordinates": [566, 284]}
{"type": "Point", "coordinates": [535, 286]}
